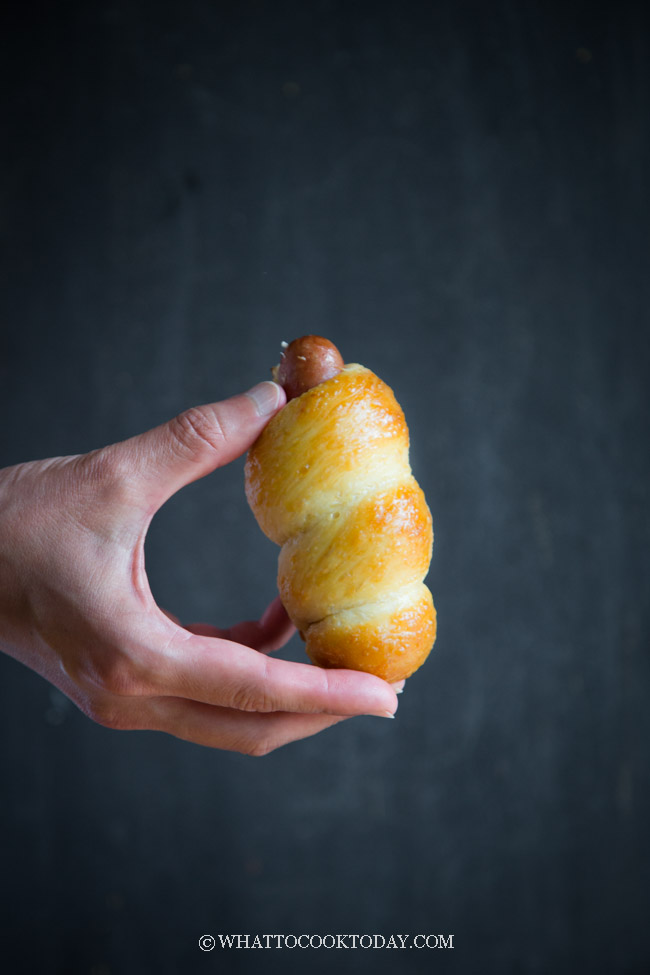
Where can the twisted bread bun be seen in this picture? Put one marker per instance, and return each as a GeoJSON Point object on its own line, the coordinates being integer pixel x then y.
{"type": "Point", "coordinates": [329, 480]}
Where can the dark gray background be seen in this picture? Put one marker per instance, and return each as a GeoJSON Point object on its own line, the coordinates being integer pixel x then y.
{"type": "Point", "coordinates": [456, 193]}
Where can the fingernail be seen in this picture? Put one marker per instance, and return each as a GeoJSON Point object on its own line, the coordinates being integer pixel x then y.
{"type": "Point", "coordinates": [398, 686]}
{"type": "Point", "coordinates": [267, 397]}
{"type": "Point", "coordinates": [384, 714]}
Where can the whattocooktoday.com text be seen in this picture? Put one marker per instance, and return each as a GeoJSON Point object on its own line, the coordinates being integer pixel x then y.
{"type": "Point", "coordinates": [208, 942]}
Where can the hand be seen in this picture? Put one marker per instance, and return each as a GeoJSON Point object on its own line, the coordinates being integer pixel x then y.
{"type": "Point", "coordinates": [76, 607]}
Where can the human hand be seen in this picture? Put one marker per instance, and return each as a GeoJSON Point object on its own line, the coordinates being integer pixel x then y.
{"type": "Point", "coordinates": [76, 607]}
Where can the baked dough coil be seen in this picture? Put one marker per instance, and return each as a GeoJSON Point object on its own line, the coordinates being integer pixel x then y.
{"type": "Point", "coordinates": [329, 480]}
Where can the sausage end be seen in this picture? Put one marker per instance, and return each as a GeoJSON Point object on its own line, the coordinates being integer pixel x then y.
{"type": "Point", "coordinates": [305, 363]}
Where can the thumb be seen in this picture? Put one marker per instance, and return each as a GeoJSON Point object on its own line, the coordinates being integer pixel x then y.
{"type": "Point", "coordinates": [199, 440]}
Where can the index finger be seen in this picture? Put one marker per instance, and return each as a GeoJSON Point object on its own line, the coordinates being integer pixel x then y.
{"type": "Point", "coordinates": [216, 671]}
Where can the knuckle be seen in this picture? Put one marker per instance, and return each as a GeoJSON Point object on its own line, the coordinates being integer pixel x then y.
{"type": "Point", "coordinates": [110, 660]}
{"type": "Point", "coordinates": [119, 678]}
{"type": "Point", "coordinates": [114, 680]}
{"type": "Point", "coordinates": [100, 465]}
{"type": "Point", "coordinates": [243, 700]}
{"type": "Point", "coordinates": [261, 748]}
{"type": "Point", "coordinates": [112, 673]}
{"type": "Point", "coordinates": [255, 694]}
{"type": "Point", "coordinates": [251, 699]}
{"type": "Point", "coordinates": [197, 430]}
{"type": "Point", "coordinates": [107, 714]}
{"type": "Point", "coordinates": [106, 472]}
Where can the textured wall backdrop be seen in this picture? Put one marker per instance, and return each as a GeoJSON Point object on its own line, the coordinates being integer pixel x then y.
{"type": "Point", "coordinates": [458, 195]}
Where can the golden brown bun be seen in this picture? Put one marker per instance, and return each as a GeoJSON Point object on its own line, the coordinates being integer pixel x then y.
{"type": "Point", "coordinates": [329, 480]}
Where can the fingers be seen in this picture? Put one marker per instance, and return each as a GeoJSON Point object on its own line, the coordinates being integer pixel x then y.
{"type": "Point", "coordinates": [275, 629]}
{"type": "Point", "coordinates": [219, 672]}
{"type": "Point", "coordinates": [216, 727]}
{"type": "Point", "coordinates": [199, 440]}
{"type": "Point", "coordinates": [270, 633]}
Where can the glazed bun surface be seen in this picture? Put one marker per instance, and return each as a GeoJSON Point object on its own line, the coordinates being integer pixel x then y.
{"type": "Point", "coordinates": [329, 480]}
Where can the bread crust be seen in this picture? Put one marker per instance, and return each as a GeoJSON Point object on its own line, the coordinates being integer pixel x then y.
{"type": "Point", "coordinates": [329, 480]}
